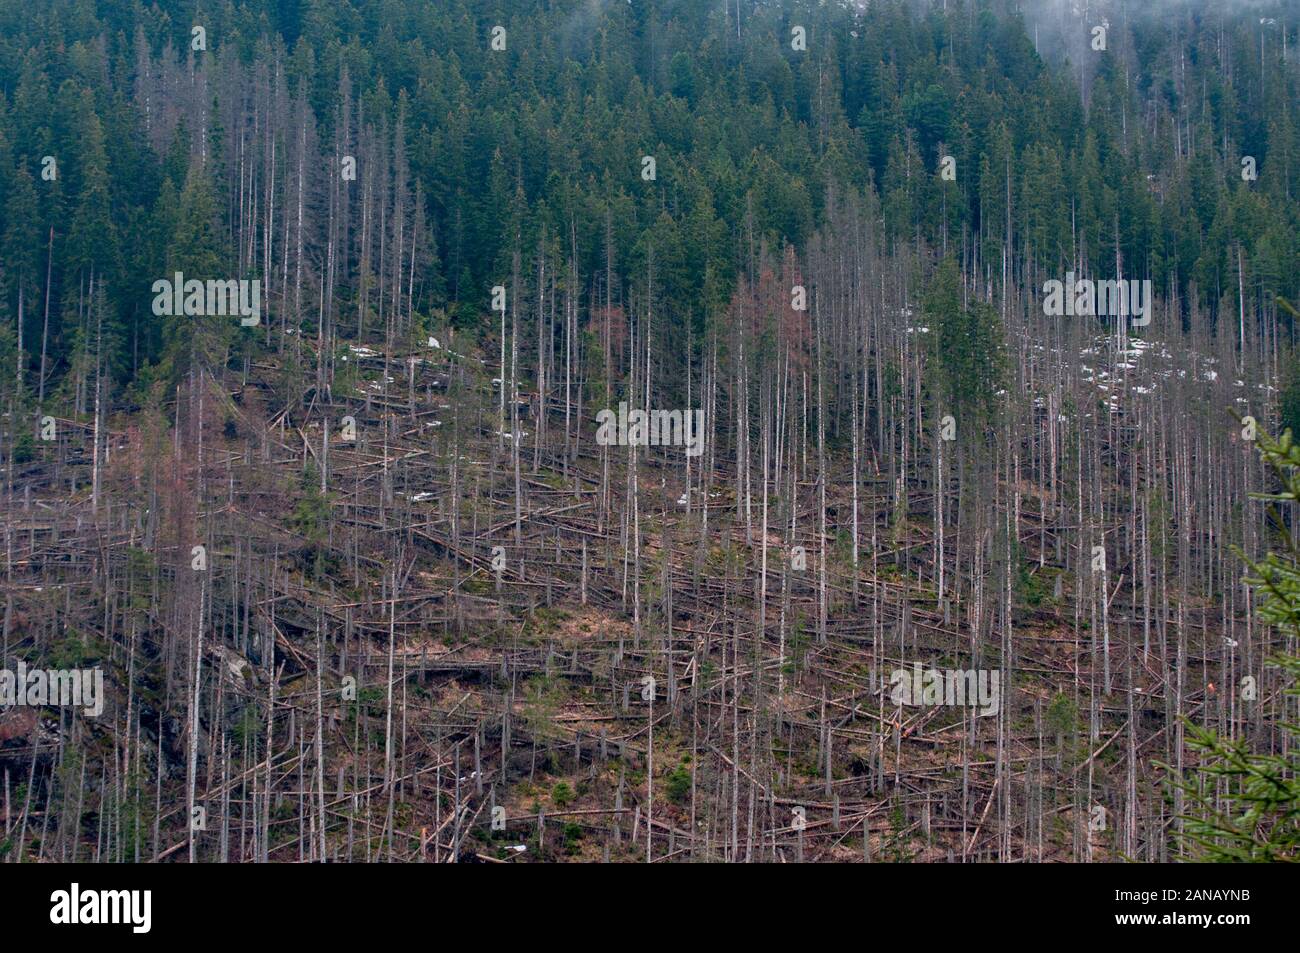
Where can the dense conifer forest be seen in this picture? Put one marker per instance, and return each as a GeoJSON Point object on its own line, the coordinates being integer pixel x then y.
{"type": "Point", "coordinates": [649, 430]}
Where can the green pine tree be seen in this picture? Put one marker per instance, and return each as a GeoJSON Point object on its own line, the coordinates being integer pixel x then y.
{"type": "Point", "coordinates": [966, 347]}
{"type": "Point", "coordinates": [1241, 805]}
